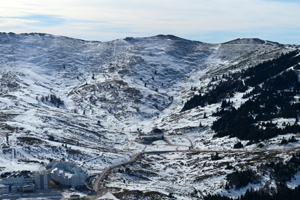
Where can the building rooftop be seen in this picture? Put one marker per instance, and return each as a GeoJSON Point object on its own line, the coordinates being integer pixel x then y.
{"type": "Point", "coordinates": [25, 174]}
{"type": "Point", "coordinates": [68, 167]}
{"type": "Point", "coordinates": [2, 186]}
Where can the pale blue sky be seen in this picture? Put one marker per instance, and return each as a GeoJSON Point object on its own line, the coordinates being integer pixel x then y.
{"type": "Point", "coordinates": [211, 21]}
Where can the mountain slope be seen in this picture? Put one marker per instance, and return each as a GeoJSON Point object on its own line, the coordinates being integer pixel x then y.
{"type": "Point", "coordinates": [88, 102]}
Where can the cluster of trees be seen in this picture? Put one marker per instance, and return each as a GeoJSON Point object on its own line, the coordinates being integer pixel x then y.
{"type": "Point", "coordinates": [274, 99]}
{"type": "Point", "coordinates": [226, 104]}
{"type": "Point", "coordinates": [283, 193]}
{"type": "Point", "coordinates": [238, 145]}
{"type": "Point", "coordinates": [266, 70]}
{"type": "Point", "coordinates": [222, 90]}
{"type": "Point", "coordinates": [241, 179]}
{"type": "Point", "coordinates": [291, 139]}
{"type": "Point", "coordinates": [283, 172]}
{"type": "Point", "coordinates": [52, 99]}
{"type": "Point", "coordinates": [252, 76]}
{"type": "Point", "coordinates": [280, 172]}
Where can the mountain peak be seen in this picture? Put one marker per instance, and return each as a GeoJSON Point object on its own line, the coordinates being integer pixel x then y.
{"type": "Point", "coordinates": [171, 37]}
{"type": "Point", "coordinates": [250, 41]}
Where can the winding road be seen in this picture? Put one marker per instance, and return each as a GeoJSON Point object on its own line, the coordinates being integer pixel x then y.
{"type": "Point", "coordinates": [106, 170]}
{"type": "Point", "coordinates": [99, 180]}
{"type": "Point", "coordinates": [103, 174]}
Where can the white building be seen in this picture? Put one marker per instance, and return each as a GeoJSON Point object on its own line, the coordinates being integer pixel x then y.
{"type": "Point", "coordinates": [41, 180]}
{"type": "Point", "coordinates": [18, 178]}
{"type": "Point", "coordinates": [4, 189]}
{"type": "Point", "coordinates": [24, 181]}
{"type": "Point", "coordinates": [68, 174]}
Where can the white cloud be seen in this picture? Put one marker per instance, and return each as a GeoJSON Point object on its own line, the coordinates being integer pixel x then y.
{"type": "Point", "coordinates": [155, 16]}
{"type": "Point", "coordinates": [9, 22]}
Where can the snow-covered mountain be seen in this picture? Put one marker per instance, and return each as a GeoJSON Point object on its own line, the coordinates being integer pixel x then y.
{"type": "Point", "coordinates": [88, 101]}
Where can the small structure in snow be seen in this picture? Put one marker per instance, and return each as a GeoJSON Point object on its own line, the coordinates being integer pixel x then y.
{"type": "Point", "coordinates": [148, 139]}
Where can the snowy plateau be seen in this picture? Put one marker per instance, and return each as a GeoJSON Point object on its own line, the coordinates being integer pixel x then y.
{"type": "Point", "coordinates": [89, 102]}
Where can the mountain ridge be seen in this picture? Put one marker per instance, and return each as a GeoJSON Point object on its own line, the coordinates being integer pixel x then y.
{"type": "Point", "coordinates": [162, 36]}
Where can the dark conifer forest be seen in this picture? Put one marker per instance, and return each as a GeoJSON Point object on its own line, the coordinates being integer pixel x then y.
{"type": "Point", "coordinates": [271, 88]}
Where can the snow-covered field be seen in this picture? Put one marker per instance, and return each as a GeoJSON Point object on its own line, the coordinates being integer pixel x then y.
{"type": "Point", "coordinates": [184, 173]}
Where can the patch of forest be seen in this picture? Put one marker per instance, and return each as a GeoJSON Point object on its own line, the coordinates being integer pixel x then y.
{"type": "Point", "coordinates": [253, 120]}
{"type": "Point", "coordinates": [268, 69]}
{"type": "Point", "coordinates": [225, 88]}
{"type": "Point", "coordinates": [241, 81]}
{"type": "Point", "coordinates": [51, 100]}
{"type": "Point", "coordinates": [275, 83]}
{"type": "Point", "coordinates": [283, 193]}
{"type": "Point", "coordinates": [280, 172]}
